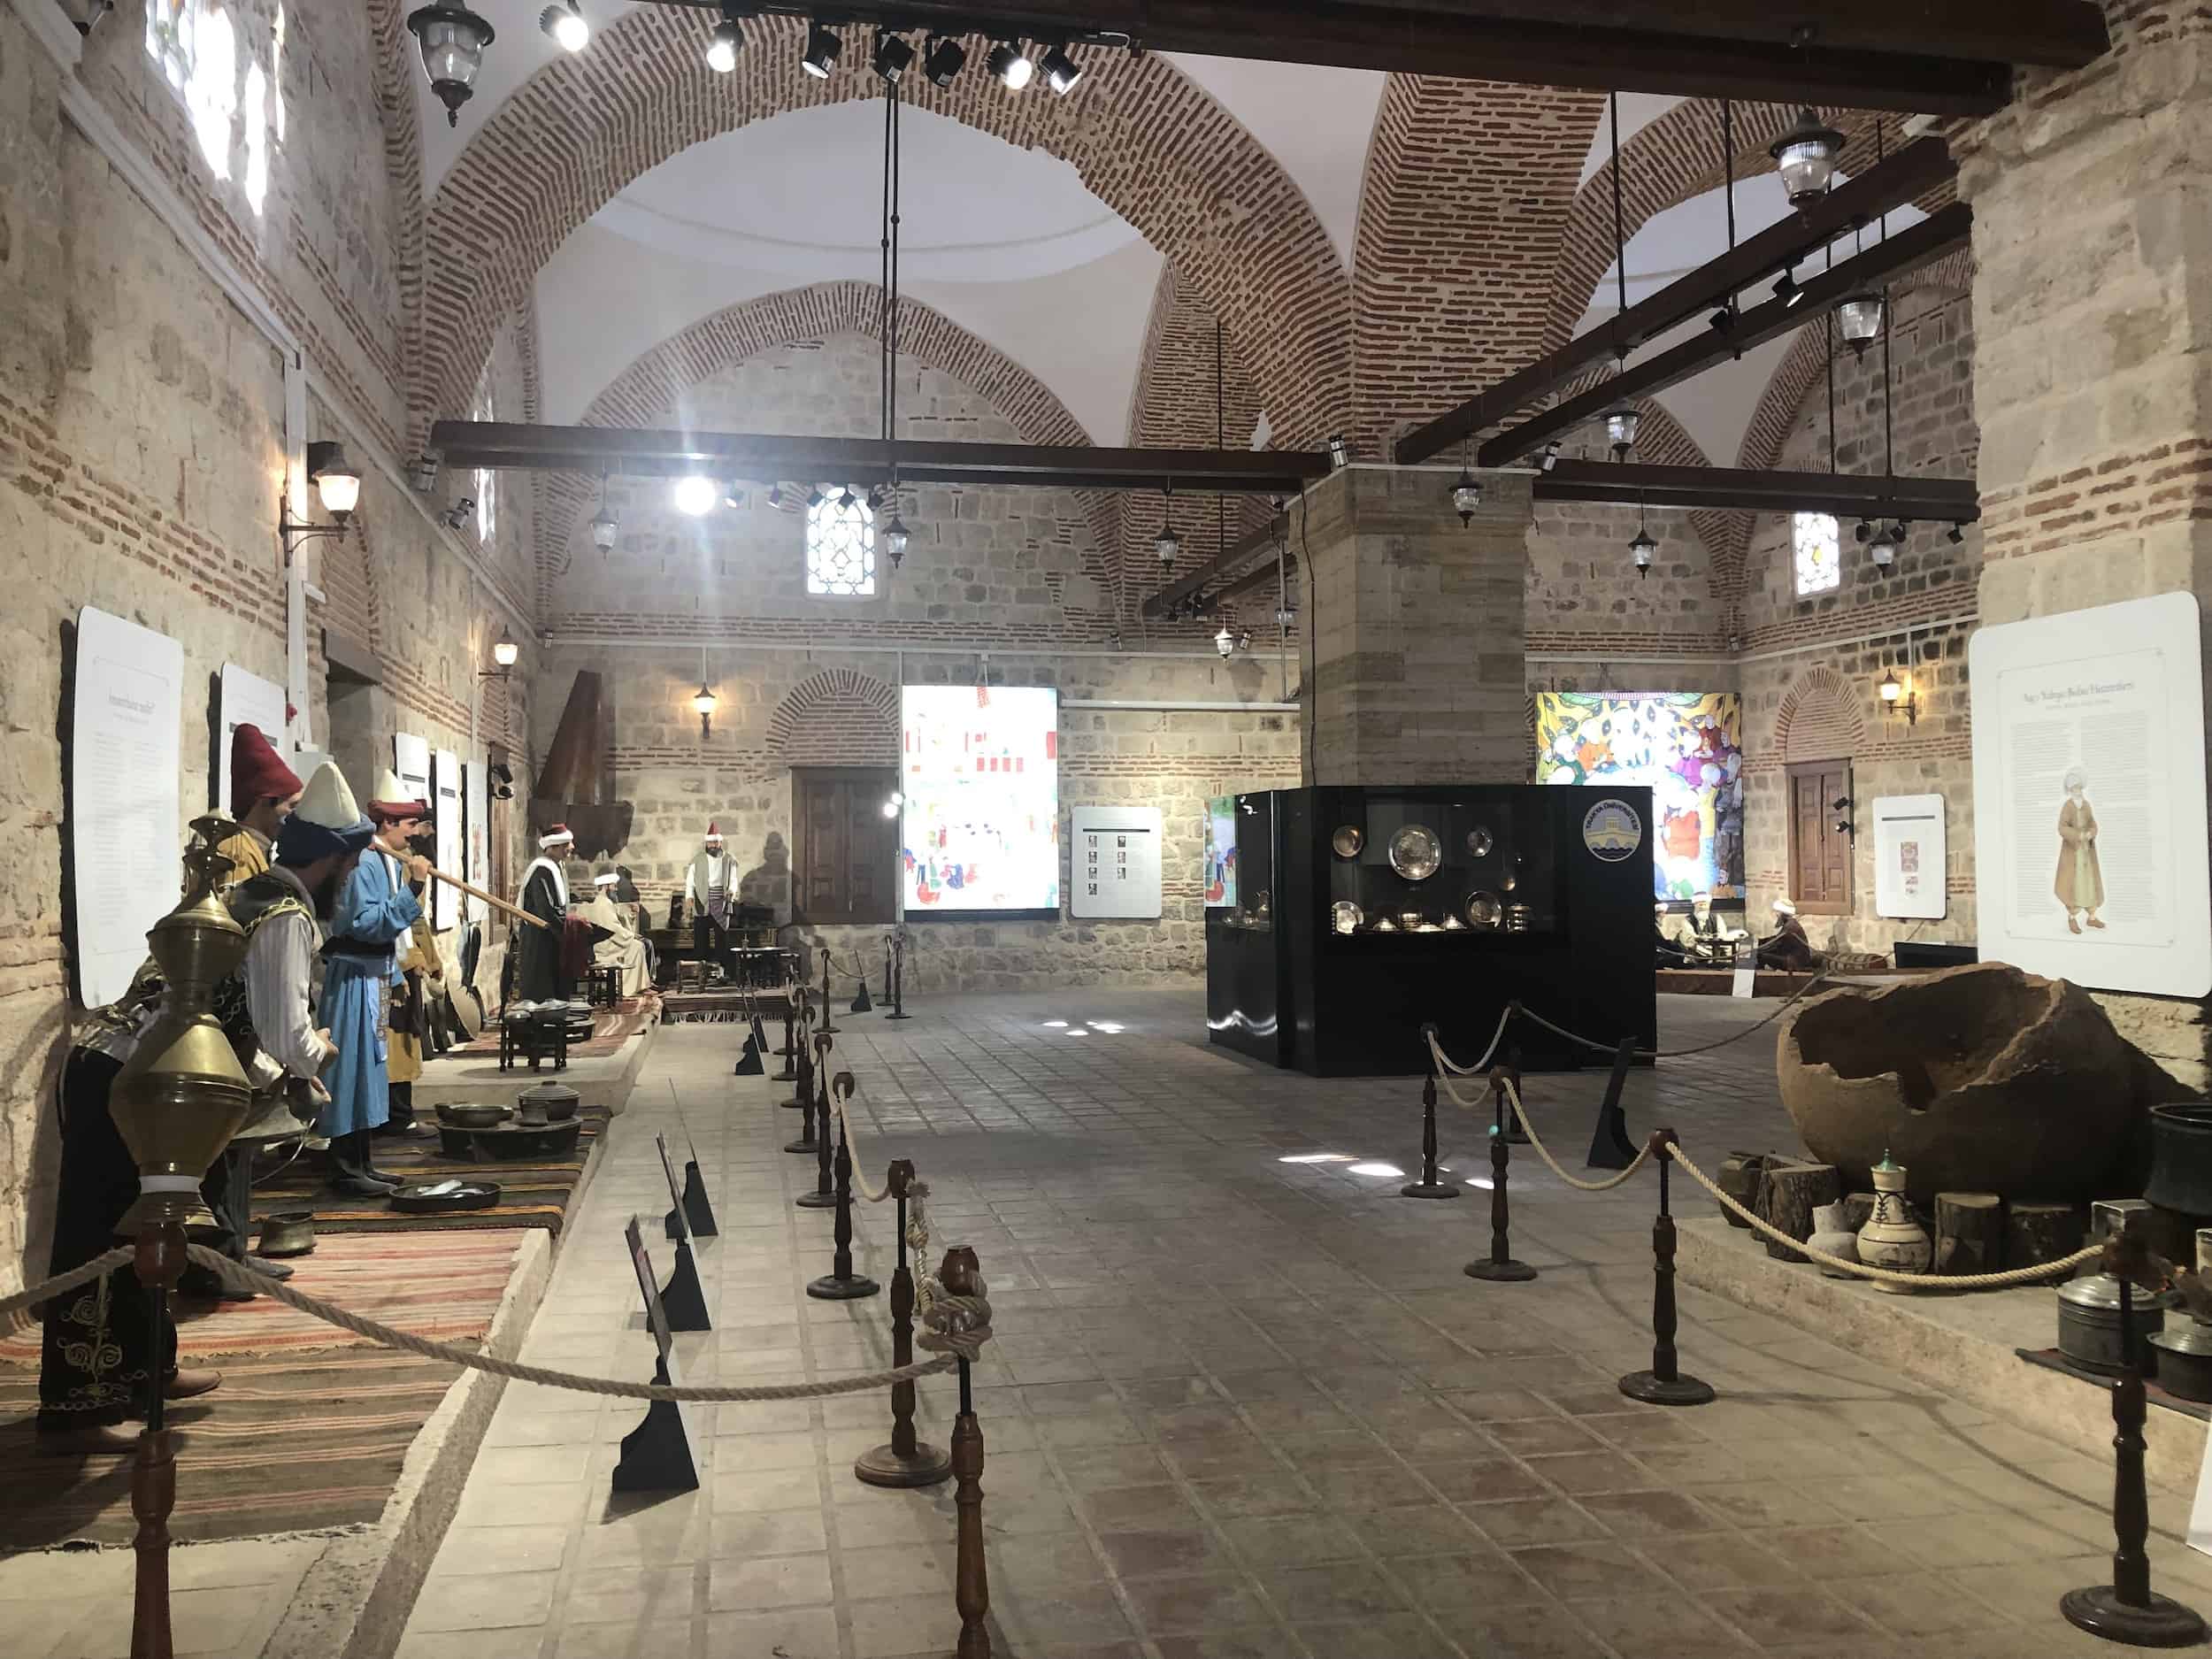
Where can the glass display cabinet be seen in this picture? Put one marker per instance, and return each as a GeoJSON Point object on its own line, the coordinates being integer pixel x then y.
{"type": "Point", "coordinates": [1383, 909]}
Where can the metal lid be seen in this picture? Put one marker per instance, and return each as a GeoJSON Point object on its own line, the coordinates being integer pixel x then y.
{"type": "Point", "coordinates": [2190, 1336]}
{"type": "Point", "coordinates": [550, 1092]}
{"type": "Point", "coordinates": [2101, 1291]}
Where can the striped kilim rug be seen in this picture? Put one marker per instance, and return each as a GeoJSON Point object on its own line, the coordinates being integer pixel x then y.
{"type": "Point", "coordinates": [312, 1422]}
{"type": "Point", "coordinates": [532, 1194]}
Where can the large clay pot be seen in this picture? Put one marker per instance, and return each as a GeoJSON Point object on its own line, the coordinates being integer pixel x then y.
{"type": "Point", "coordinates": [1981, 1078]}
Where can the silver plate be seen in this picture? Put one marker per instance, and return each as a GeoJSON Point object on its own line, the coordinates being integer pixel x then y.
{"type": "Point", "coordinates": [1348, 838]}
{"type": "Point", "coordinates": [1479, 841]}
{"type": "Point", "coordinates": [1415, 853]}
{"type": "Point", "coordinates": [1483, 910]}
{"type": "Point", "coordinates": [1344, 916]}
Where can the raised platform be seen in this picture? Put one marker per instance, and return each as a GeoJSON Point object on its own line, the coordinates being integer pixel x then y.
{"type": "Point", "coordinates": [1964, 1344]}
{"type": "Point", "coordinates": [602, 1078]}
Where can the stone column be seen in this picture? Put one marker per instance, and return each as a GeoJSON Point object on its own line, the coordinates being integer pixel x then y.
{"type": "Point", "coordinates": [1415, 670]}
{"type": "Point", "coordinates": [2092, 360]}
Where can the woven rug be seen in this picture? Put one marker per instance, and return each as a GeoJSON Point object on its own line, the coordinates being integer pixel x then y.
{"type": "Point", "coordinates": [532, 1194]}
{"type": "Point", "coordinates": [610, 1028]}
{"type": "Point", "coordinates": [443, 1284]}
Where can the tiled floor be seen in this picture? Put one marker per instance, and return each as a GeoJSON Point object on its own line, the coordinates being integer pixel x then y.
{"type": "Point", "coordinates": [1241, 1403]}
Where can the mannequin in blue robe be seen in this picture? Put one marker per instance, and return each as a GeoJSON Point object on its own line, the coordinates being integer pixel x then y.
{"type": "Point", "coordinates": [373, 911]}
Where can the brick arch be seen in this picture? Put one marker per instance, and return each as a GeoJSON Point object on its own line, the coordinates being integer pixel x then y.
{"type": "Point", "coordinates": [660, 381]}
{"type": "Point", "coordinates": [393, 65]}
{"type": "Point", "coordinates": [1466, 198]}
{"type": "Point", "coordinates": [1819, 719]}
{"type": "Point", "coordinates": [839, 717]}
{"type": "Point", "coordinates": [1147, 139]}
{"type": "Point", "coordinates": [1677, 156]}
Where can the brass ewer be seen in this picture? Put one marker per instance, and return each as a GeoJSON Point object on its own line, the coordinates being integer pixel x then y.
{"type": "Point", "coordinates": [182, 1096]}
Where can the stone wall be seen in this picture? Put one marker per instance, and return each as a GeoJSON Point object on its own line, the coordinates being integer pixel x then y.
{"type": "Point", "coordinates": [142, 447]}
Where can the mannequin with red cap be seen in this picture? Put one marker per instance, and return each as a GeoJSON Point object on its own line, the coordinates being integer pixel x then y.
{"type": "Point", "coordinates": [709, 890]}
{"type": "Point", "coordinates": [262, 792]}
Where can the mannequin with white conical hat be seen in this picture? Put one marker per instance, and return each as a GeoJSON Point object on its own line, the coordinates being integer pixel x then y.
{"type": "Point", "coordinates": [709, 892]}
{"type": "Point", "coordinates": [373, 911]}
{"type": "Point", "coordinates": [538, 976]}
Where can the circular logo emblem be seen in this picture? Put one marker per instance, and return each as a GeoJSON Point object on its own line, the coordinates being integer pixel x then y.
{"type": "Point", "coordinates": [1612, 830]}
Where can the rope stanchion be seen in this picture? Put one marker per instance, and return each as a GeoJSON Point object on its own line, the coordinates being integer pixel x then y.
{"type": "Point", "coordinates": [1528, 1129]}
{"type": "Point", "coordinates": [906, 1460]}
{"type": "Point", "coordinates": [1663, 1385]}
{"type": "Point", "coordinates": [1500, 1267]}
{"type": "Point", "coordinates": [841, 1283]}
{"type": "Point", "coordinates": [960, 1312]}
{"type": "Point", "coordinates": [816, 1138]}
{"type": "Point", "coordinates": [1445, 1063]}
{"type": "Point", "coordinates": [825, 1028]}
{"type": "Point", "coordinates": [1431, 1185]}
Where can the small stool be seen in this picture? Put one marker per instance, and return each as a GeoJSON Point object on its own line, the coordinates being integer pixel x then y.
{"type": "Point", "coordinates": [603, 986]}
{"type": "Point", "coordinates": [537, 1036]}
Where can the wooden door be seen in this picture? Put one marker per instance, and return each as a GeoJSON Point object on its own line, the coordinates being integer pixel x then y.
{"type": "Point", "coordinates": [1820, 843]}
{"type": "Point", "coordinates": [846, 856]}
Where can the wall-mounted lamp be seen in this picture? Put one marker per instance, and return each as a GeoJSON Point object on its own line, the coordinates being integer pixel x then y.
{"type": "Point", "coordinates": [337, 485]}
{"type": "Point", "coordinates": [1899, 698]}
{"type": "Point", "coordinates": [506, 653]}
{"type": "Point", "coordinates": [704, 702]}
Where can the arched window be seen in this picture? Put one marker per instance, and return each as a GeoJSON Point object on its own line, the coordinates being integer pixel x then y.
{"type": "Point", "coordinates": [485, 481]}
{"type": "Point", "coordinates": [841, 543]}
{"type": "Point", "coordinates": [1819, 555]}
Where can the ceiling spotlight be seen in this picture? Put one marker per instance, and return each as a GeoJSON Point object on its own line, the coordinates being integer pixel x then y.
{"type": "Point", "coordinates": [452, 40]}
{"type": "Point", "coordinates": [1955, 534]}
{"type": "Point", "coordinates": [1286, 617]}
{"type": "Point", "coordinates": [732, 497]}
{"type": "Point", "coordinates": [1062, 71]}
{"type": "Point", "coordinates": [822, 47]}
{"type": "Point", "coordinates": [846, 500]}
{"type": "Point", "coordinates": [604, 528]}
{"type": "Point", "coordinates": [1723, 319]}
{"type": "Point", "coordinates": [565, 25]}
{"type": "Point", "coordinates": [424, 474]}
{"type": "Point", "coordinates": [1620, 429]}
{"type": "Point", "coordinates": [893, 57]}
{"type": "Point", "coordinates": [895, 539]}
{"type": "Point", "coordinates": [1225, 642]}
{"type": "Point", "coordinates": [1641, 547]}
{"type": "Point", "coordinates": [1786, 288]}
{"type": "Point", "coordinates": [729, 35]}
{"type": "Point", "coordinates": [1549, 458]}
{"type": "Point", "coordinates": [1340, 452]}
{"type": "Point", "coordinates": [1466, 496]}
{"type": "Point", "coordinates": [943, 60]}
{"type": "Point", "coordinates": [815, 498]}
{"type": "Point", "coordinates": [1806, 157]}
{"type": "Point", "coordinates": [1011, 65]}
{"type": "Point", "coordinates": [1859, 319]}
{"type": "Point", "coordinates": [694, 496]}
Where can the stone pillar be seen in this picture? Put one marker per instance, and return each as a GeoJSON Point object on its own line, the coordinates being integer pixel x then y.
{"type": "Point", "coordinates": [1415, 672]}
{"type": "Point", "coordinates": [2093, 359]}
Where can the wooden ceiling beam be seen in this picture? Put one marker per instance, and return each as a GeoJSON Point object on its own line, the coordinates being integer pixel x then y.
{"type": "Point", "coordinates": [1159, 604]}
{"type": "Point", "coordinates": [1749, 490]}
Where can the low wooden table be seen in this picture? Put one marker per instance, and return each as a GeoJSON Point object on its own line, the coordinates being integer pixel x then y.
{"type": "Point", "coordinates": [534, 1036]}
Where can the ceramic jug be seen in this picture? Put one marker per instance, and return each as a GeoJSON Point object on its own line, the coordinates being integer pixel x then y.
{"type": "Point", "coordinates": [1831, 1233]}
{"type": "Point", "coordinates": [1892, 1237]}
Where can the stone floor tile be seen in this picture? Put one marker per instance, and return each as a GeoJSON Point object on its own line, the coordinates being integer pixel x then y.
{"type": "Point", "coordinates": [484, 1603]}
{"type": "Point", "coordinates": [1799, 1614]}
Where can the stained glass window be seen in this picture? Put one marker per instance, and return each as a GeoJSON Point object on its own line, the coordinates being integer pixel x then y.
{"type": "Point", "coordinates": [841, 544]}
{"type": "Point", "coordinates": [1819, 557]}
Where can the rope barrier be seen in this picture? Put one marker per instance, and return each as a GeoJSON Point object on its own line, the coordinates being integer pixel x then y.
{"type": "Point", "coordinates": [1544, 1152]}
{"type": "Point", "coordinates": [1882, 1275]}
{"type": "Point", "coordinates": [12, 1308]}
{"type": "Point", "coordinates": [874, 1195]}
{"type": "Point", "coordinates": [1446, 1064]}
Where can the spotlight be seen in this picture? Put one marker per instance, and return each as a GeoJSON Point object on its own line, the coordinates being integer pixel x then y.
{"type": "Point", "coordinates": [454, 517]}
{"type": "Point", "coordinates": [1011, 65]}
{"type": "Point", "coordinates": [1340, 452]}
{"type": "Point", "coordinates": [565, 25]}
{"type": "Point", "coordinates": [424, 474]}
{"type": "Point", "coordinates": [1955, 534]}
{"type": "Point", "coordinates": [1244, 639]}
{"type": "Point", "coordinates": [1859, 319]}
{"type": "Point", "coordinates": [1225, 642]}
{"type": "Point", "coordinates": [893, 57]}
{"type": "Point", "coordinates": [846, 500]}
{"type": "Point", "coordinates": [604, 528]}
{"type": "Point", "coordinates": [775, 495]}
{"type": "Point", "coordinates": [895, 539]}
{"type": "Point", "coordinates": [732, 497]}
{"type": "Point", "coordinates": [1641, 547]}
{"type": "Point", "coordinates": [1286, 617]}
{"type": "Point", "coordinates": [729, 35]}
{"type": "Point", "coordinates": [503, 781]}
{"type": "Point", "coordinates": [694, 496]}
{"type": "Point", "coordinates": [822, 47]}
{"type": "Point", "coordinates": [1723, 319]}
{"type": "Point", "coordinates": [815, 498]}
{"type": "Point", "coordinates": [1466, 496]}
{"type": "Point", "coordinates": [1786, 288]}
{"type": "Point", "coordinates": [1550, 457]}
{"type": "Point", "coordinates": [1062, 71]}
{"type": "Point", "coordinates": [943, 60]}
{"type": "Point", "coordinates": [1806, 157]}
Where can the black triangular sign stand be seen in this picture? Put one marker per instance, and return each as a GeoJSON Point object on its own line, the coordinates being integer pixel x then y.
{"type": "Point", "coordinates": [1609, 1148]}
{"type": "Point", "coordinates": [684, 1303]}
{"type": "Point", "coordinates": [656, 1456]}
{"type": "Point", "coordinates": [749, 1059]}
{"type": "Point", "coordinates": [697, 1210]}
{"type": "Point", "coordinates": [860, 1004]}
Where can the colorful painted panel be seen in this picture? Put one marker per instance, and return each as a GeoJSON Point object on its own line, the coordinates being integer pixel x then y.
{"type": "Point", "coordinates": [1687, 746]}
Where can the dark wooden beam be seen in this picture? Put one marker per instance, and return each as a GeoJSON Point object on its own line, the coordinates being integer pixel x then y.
{"type": "Point", "coordinates": [1951, 58]}
{"type": "Point", "coordinates": [1745, 489]}
{"type": "Point", "coordinates": [761, 458]}
{"type": "Point", "coordinates": [1919, 167]}
{"type": "Point", "coordinates": [1260, 576]}
{"type": "Point", "coordinates": [1220, 565]}
{"type": "Point", "coordinates": [1905, 251]}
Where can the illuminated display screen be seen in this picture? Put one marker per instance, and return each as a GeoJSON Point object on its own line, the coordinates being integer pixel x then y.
{"type": "Point", "coordinates": [979, 767]}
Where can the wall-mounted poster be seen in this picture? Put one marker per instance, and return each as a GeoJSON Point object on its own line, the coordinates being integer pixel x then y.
{"type": "Point", "coordinates": [1910, 854]}
{"type": "Point", "coordinates": [979, 767]}
{"type": "Point", "coordinates": [125, 803]}
{"type": "Point", "coordinates": [1686, 747]}
{"type": "Point", "coordinates": [248, 700]}
{"type": "Point", "coordinates": [410, 759]}
{"type": "Point", "coordinates": [445, 779]}
{"type": "Point", "coordinates": [2089, 796]}
{"type": "Point", "coordinates": [1114, 863]}
{"type": "Point", "coordinates": [1220, 874]}
{"type": "Point", "coordinates": [477, 807]}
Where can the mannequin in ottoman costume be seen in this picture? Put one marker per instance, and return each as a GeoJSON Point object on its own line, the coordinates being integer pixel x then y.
{"type": "Point", "coordinates": [399, 821]}
{"type": "Point", "coordinates": [710, 892]}
{"type": "Point", "coordinates": [419, 967]}
{"type": "Point", "coordinates": [373, 908]}
{"type": "Point", "coordinates": [538, 977]}
{"type": "Point", "coordinates": [1787, 947]}
{"type": "Point", "coordinates": [614, 941]}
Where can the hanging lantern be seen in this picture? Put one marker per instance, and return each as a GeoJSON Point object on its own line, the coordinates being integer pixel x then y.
{"type": "Point", "coordinates": [895, 539]}
{"type": "Point", "coordinates": [1225, 642]}
{"type": "Point", "coordinates": [603, 527]}
{"type": "Point", "coordinates": [1882, 544]}
{"type": "Point", "coordinates": [1620, 429]}
{"type": "Point", "coordinates": [1806, 157]}
{"type": "Point", "coordinates": [1466, 496]}
{"type": "Point", "coordinates": [1641, 547]}
{"type": "Point", "coordinates": [452, 40]}
{"type": "Point", "coordinates": [1859, 319]}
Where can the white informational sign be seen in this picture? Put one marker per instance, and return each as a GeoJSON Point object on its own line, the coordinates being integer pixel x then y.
{"type": "Point", "coordinates": [979, 767]}
{"type": "Point", "coordinates": [1911, 850]}
{"type": "Point", "coordinates": [2089, 797]}
{"type": "Point", "coordinates": [410, 759]}
{"type": "Point", "coordinates": [476, 794]}
{"type": "Point", "coordinates": [445, 778]}
{"type": "Point", "coordinates": [126, 804]}
{"type": "Point", "coordinates": [1114, 863]}
{"type": "Point", "coordinates": [248, 700]}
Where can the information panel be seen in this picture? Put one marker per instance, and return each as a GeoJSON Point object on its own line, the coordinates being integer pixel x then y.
{"type": "Point", "coordinates": [1910, 855]}
{"type": "Point", "coordinates": [1114, 863]}
{"type": "Point", "coordinates": [445, 780]}
{"type": "Point", "coordinates": [248, 700]}
{"type": "Point", "coordinates": [125, 813]}
{"type": "Point", "coordinates": [980, 830]}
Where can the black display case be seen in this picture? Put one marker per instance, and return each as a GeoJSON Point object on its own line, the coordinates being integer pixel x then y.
{"type": "Point", "coordinates": [1363, 914]}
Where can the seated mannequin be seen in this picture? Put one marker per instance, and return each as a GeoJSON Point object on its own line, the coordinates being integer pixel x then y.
{"type": "Point", "coordinates": [1788, 948]}
{"type": "Point", "coordinates": [614, 941]}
